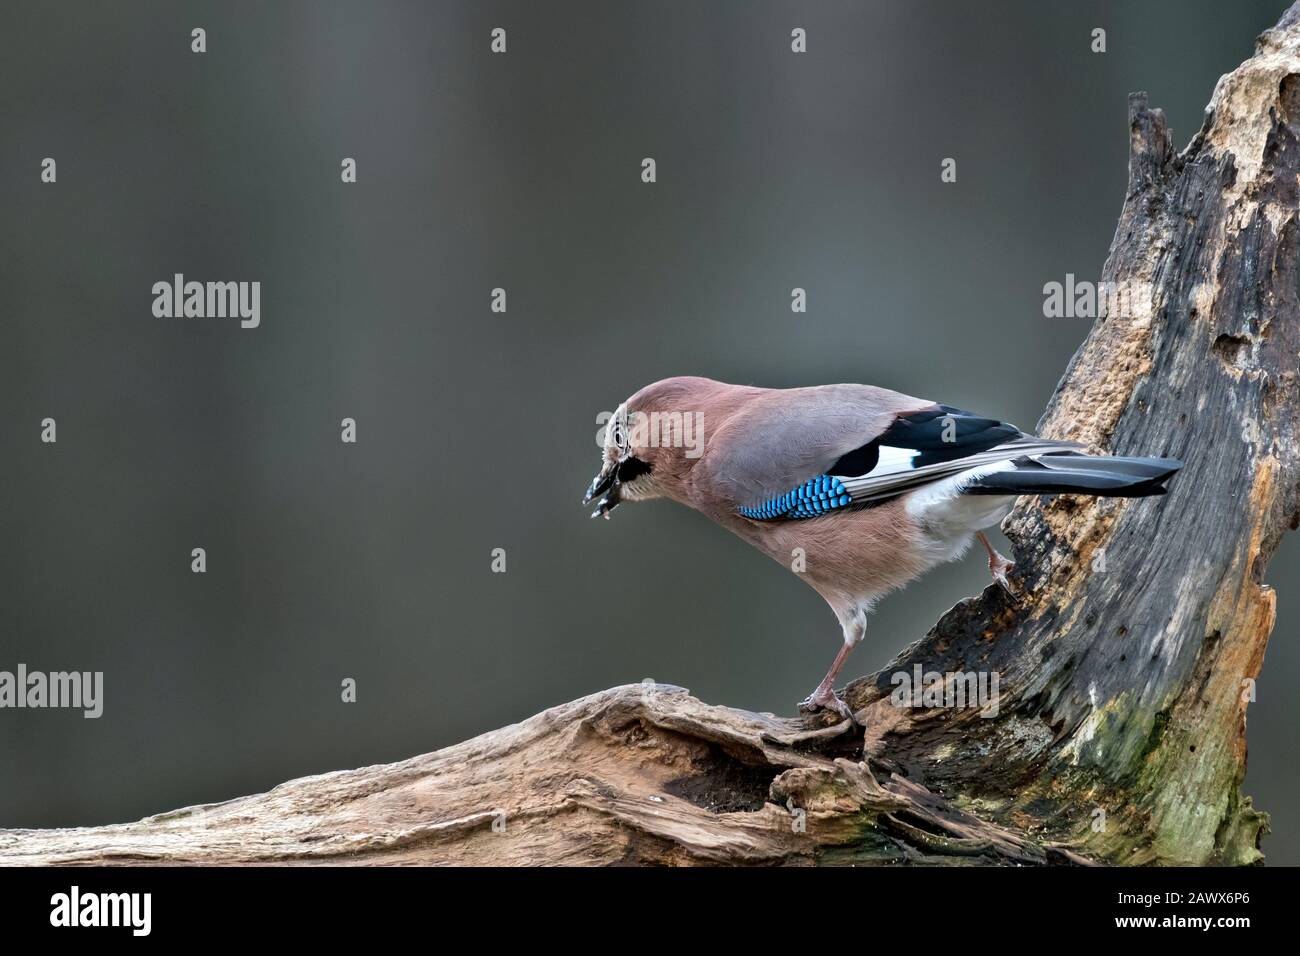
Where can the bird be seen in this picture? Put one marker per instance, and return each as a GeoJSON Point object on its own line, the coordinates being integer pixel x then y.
{"type": "Point", "coordinates": [858, 488]}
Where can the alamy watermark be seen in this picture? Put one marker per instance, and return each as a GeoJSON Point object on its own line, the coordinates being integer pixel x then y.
{"type": "Point", "coordinates": [75, 908]}
{"type": "Point", "coordinates": [953, 690]}
{"type": "Point", "coordinates": [1089, 300]}
{"type": "Point", "coordinates": [83, 690]}
{"type": "Point", "coordinates": [208, 300]}
{"type": "Point", "coordinates": [676, 429]}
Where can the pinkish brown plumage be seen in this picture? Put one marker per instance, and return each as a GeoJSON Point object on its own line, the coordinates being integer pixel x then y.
{"type": "Point", "coordinates": [859, 488]}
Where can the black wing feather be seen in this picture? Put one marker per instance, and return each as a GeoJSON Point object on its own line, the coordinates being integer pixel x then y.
{"type": "Point", "coordinates": [936, 435]}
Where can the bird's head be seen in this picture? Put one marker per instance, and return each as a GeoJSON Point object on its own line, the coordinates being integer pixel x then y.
{"type": "Point", "coordinates": [650, 443]}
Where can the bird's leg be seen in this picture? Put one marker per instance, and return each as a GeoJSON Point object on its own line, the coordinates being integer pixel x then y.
{"type": "Point", "coordinates": [998, 565]}
{"type": "Point", "coordinates": [824, 697]}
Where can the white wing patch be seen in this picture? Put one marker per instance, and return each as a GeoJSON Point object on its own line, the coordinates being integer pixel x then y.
{"type": "Point", "coordinates": [896, 471]}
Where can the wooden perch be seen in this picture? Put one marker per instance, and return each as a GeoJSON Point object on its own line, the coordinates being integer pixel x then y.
{"type": "Point", "coordinates": [1126, 660]}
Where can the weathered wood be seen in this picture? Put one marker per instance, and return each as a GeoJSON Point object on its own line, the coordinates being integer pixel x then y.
{"type": "Point", "coordinates": [1125, 689]}
{"type": "Point", "coordinates": [636, 774]}
{"type": "Point", "coordinates": [1124, 659]}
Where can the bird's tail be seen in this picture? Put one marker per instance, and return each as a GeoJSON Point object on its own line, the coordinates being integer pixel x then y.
{"type": "Point", "coordinates": [1073, 473]}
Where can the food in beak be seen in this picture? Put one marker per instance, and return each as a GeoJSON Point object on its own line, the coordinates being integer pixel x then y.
{"type": "Point", "coordinates": [605, 484]}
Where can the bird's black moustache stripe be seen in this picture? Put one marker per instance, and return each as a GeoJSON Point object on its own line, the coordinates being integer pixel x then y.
{"type": "Point", "coordinates": [611, 484]}
{"type": "Point", "coordinates": [631, 468]}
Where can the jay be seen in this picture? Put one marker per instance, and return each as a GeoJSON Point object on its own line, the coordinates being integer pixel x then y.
{"type": "Point", "coordinates": [874, 486]}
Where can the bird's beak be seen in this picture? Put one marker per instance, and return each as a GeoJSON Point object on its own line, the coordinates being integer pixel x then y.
{"type": "Point", "coordinates": [604, 486]}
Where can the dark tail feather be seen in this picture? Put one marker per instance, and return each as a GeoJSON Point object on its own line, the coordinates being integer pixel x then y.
{"type": "Point", "coordinates": [1071, 473]}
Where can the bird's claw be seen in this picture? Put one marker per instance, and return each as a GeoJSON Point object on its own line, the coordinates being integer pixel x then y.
{"type": "Point", "coordinates": [998, 567]}
{"type": "Point", "coordinates": [828, 700]}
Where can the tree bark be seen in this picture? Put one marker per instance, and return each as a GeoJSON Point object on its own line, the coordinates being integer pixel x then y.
{"type": "Point", "coordinates": [1126, 657]}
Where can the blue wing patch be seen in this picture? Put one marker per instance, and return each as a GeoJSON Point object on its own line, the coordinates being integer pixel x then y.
{"type": "Point", "coordinates": [816, 496]}
{"type": "Point", "coordinates": [915, 450]}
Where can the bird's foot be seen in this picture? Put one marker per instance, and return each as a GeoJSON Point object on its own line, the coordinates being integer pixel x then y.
{"type": "Point", "coordinates": [825, 698]}
{"type": "Point", "coordinates": [998, 567]}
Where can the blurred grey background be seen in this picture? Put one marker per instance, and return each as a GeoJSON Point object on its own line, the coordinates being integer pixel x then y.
{"type": "Point", "coordinates": [476, 430]}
